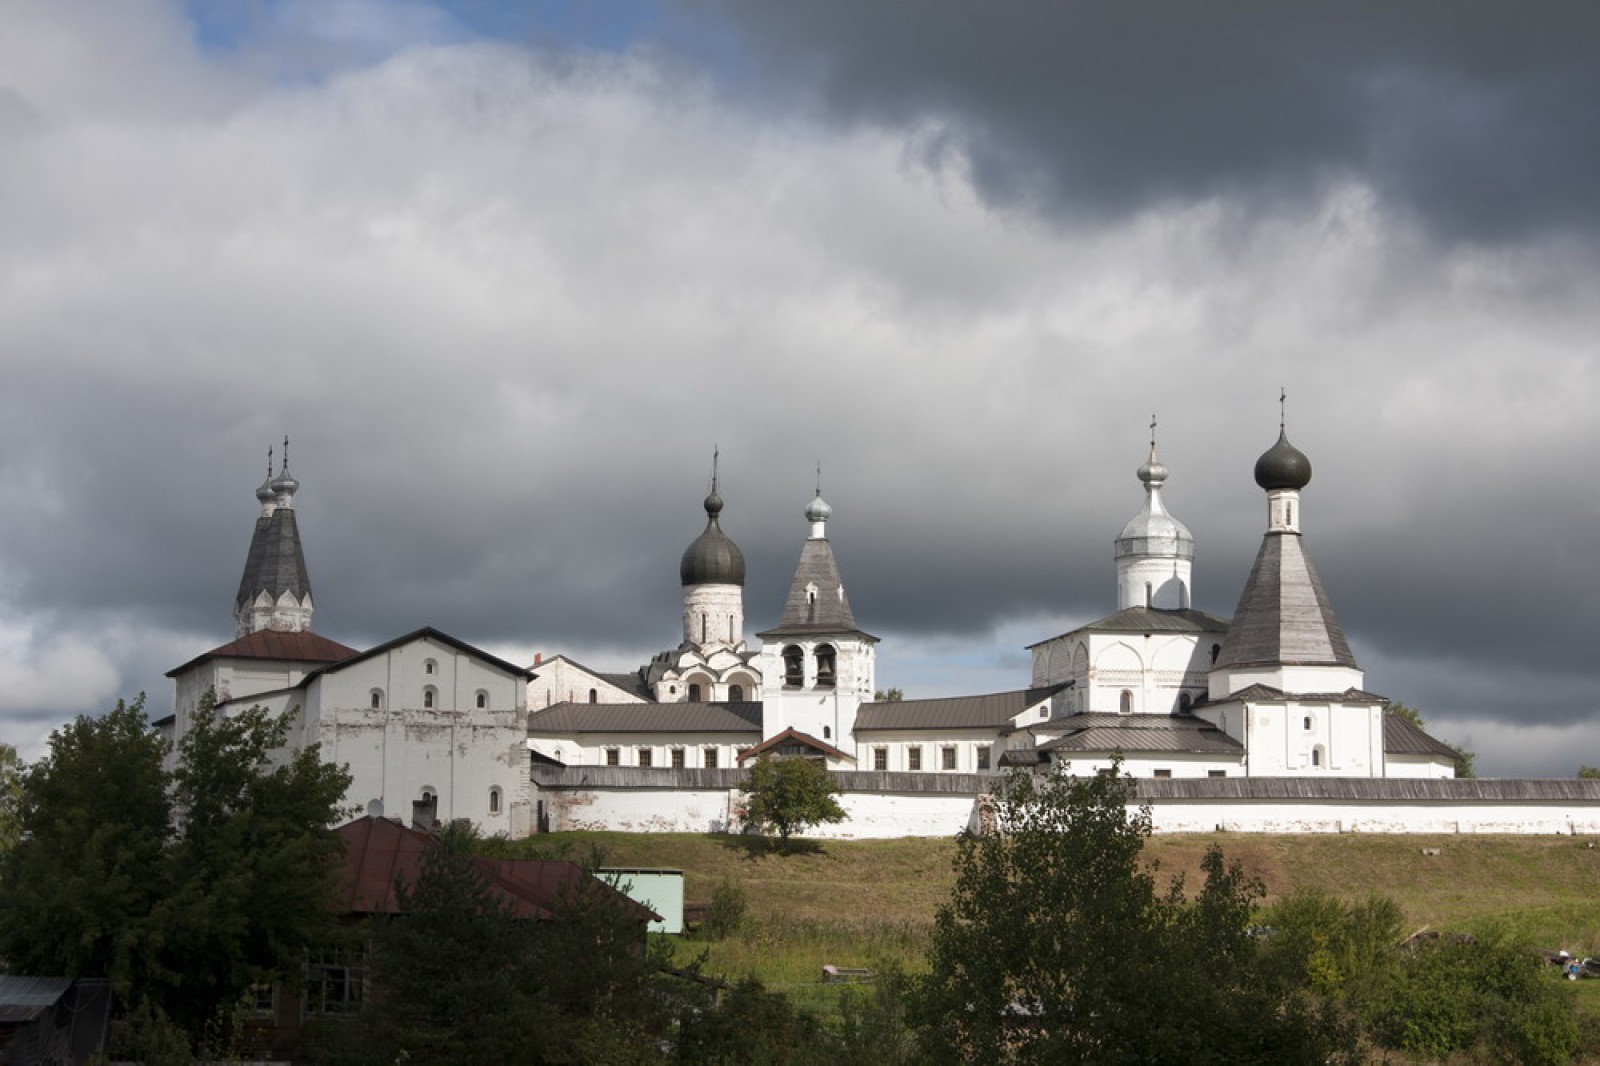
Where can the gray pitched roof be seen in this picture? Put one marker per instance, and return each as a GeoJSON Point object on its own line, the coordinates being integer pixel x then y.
{"type": "Point", "coordinates": [1284, 615]}
{"type": "Point", "coordinates": [1150, 620]}
{"type": "Point", "coordinates": [826, 612]}
{"type": "Point", "coordinates": [564, 718]}
{"type": "Point", "coordinates": [1138, 733]}
{"type": "Point", "coordinates": [1400, 737]}
{"type": "Point", "coordinates": [956, 712]}
{"type": "Point", "coordinates": [1268, 692]}
{"type": "Point", "coordinates": [276, 562]}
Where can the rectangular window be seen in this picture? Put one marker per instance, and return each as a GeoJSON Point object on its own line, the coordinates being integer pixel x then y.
{"type": "Point", "coordinates": [983, 757]}
{"type": "Point", "coordinates": [613, 756]}
{"type": "Point", "coordinates": [336, 982]}
{"type": "Point", "coordinates": [1163, 773]}
{"type": "Point", "coordinates": [711, 758]}
{"type": "Point", "coordinates": [914, 757]}
{"type": "Point", "coordinates": [1216, 773]}
{"type": "Point", "coordinates": [880, 758]}
{"type": "Point", "coordinates": [261, 1000]}
{"type": "Point", "coordinates": [677, 758]}
{"type": "Point", "coordinates": [947, 758]}
{"type": "Point", "coordinates": [644, 756]}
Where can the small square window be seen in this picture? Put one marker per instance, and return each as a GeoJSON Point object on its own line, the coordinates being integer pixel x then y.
{"type": "Point", "coordinates": [1162, 773]}
{"type": "Point", "coordinates": [1216, 773]}
{"type": "Point", "coordinates": [711, 758]}
{"type": "Point", "coordinates": [880, 758]}
{"type": "Point", "coordinates": [644, 756]}
{"type": "Point", "coordinates": [677, 758]}
{"type": "Point", "coordinates": [983, 757]}
{"type": "Point", "coordinates": [914, 758]}
{"type": "Point", "coordinates": [947, 758]}
{"type": "Point", "coordinates": [613, 757]}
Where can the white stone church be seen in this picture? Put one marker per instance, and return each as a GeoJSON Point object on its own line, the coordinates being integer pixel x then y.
{"type": "Point", "coordinates": [1261, 722]}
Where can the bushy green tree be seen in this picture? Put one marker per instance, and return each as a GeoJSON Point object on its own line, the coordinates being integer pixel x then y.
{"type": "Point", "coordinates": [1589, 772]}
{"type": "Point", "coordinates": [790, 795]}
{"type": "Point", "coordinates": [182, 914]}
{"type": "Point", "coordinates": [751, 1026]}
{"type": "Point", "coordinates": [11, 769]}
{"type": "Point", "coordinates": [1058, 946]}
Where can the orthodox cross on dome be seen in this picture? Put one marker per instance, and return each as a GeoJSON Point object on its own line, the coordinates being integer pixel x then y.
{"type": "Point", "coordinates": [1152, 434]}
{"type": "Point", "coordinates": [1283, 408]}
{"type": "Point", "coordinates": [269, 462]}
{"type": "Point", "coordinates": [286, 453]}
{"type": "Point", "coordinates": [715, 452]}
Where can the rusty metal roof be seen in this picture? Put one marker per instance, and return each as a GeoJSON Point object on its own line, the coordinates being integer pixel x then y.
{"type": "Point", "coordinates": [380, 854]}
{"type": "Point", "coordinates": [302, 647]}
{"type": "Point", "coordinates": [957, 712]}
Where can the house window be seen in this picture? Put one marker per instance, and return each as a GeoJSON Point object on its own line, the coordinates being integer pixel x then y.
{"type": "Point", "coordinates": [1216, 773]}
{"type": "Point", "coordinates": [826, 661]}
{"type": "Point", "coordinates": [494, 801]}
{"type": "Point", "coordinates": [794, 666]}
{"type": "Point", "coordinates": [677, 758]}
{"type": "Point", "coordinates": [1125, 703]}
{"type": "Point", "coordinates": [261, 1000]}
{"type": "Point", "coordinates": [711, 758]}
{"type": "Point", "coordinates": [594, 696]}
{"type": "Point", "coordinates": [736, 693]}
{"type": "Point", "coordinates": [947, 758]}
{"type": "Point", "coordinates": [1308, 723]}
{"type": "Point", "coordinates": [483, 699]}
{"type": "Point", "coordinates": [983, 756]}
{"type": "Point", "coordinates": [914, 757]}
{"type": "Point", "coordinates": [1161, 773]}
{"type": "Point", "coordinates": [613, 756]}
{"type": "Point", "coordinates": [694, 692]}
{"type": "Point", "coordinates": [880, 758]}
{"type": "Point", "coordinates": [335, 982]}
{"type": "Point", "coordinates": [1316, 755]}
{"type": "Point", "coordinates": [430, 696]}
{"type": "Point", "coordinates": [377, 699]}
{"type": "Point", "coordinates": [1185, 701]}
{"type": "Point", "coordinates": [430, 667]}
{"type": "Point", "coordinates": [644, 756]}
{"type": "Point", "coordinates": [1044, 712]}
{"type": "Point", "coordinates": [827, 732]}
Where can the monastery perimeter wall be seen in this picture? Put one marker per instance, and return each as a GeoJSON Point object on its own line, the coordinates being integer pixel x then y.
{"type": "Point", "coordinates": [886, 805]}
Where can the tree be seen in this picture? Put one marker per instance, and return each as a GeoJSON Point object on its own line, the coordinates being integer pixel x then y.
{"type": "Point", "coordinates": [1589, 772]}
{"type": "Point", "coordinates": [1464, 758]}
{"type": "Point", "coordinates": [11, 769]}
{"type": "Point", "coordinates": [789, 795]}
{"type": "Point", "coordinates": [1057, 946]}
{"type": "Point", "coordinates": [183, 920]}
{"type": "Point", "coordinates": [893, 695]}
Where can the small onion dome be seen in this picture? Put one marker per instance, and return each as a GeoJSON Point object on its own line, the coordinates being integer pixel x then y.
{"type": "Point", "coordinates": [713, 559]}
{"type": "Point", "coordinates": [285, 484]}
{"type": "Point", "coordinates": [264, 494]}
{"type": "Point", "coordinates": [1154, 471]}
{"type": "Point", "coordinates": [818, 510]}
{"type": "Point", "coordinates": [1283, 466]}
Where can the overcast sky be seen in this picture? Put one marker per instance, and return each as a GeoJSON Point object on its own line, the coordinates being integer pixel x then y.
{"type": "Point", "coordinates": [506, 274]}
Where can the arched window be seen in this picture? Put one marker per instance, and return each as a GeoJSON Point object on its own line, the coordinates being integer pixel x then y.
{"type": "Point", "coordinates": [1185, 701]}
{"type": "Point", "coordinates": [430, 667]}
{"type": "Point", "coordinates": [594, 696]}
{"type": "Point", "coordinates": [1149, 595]}
{"type": "Point", "coordinates": [827, 732]}
{"type": "Point", "coordinates": [794, 666]}
{"type": "Point", "coordinates": [429, 796]}
{"type": "Point", "coordinates": [1308, 723]}
{"type": "Point", "coordinates": [1316, 755]}
{"type": "Point", "coordinates": [735, 693]}
{"type": "Point", "coordinates": [826, 662]}
{"type": "Point", "coordinates": [494, 800]}
{"type": "Point", "coordinates": [483, 699]}
{"type": "Point", "coordinates": [1125, 705]}
{"type": "Point", "coordinates": [1216, 650]}
{"type": "Point", "coordinates": [430, 696]}
{"type": "Point", "coordinates": [694, 692]}
{"type": "Point", "coordinates": [377, 699]}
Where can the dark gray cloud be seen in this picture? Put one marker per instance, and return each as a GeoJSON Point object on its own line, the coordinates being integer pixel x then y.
{"type": "Point", "coordinates": [1475, 115]}
{"type": "Point", "coordinates": [506, 300]}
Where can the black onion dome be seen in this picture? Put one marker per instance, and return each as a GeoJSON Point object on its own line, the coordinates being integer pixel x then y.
{"type": "Point", "coordinates": [1283, 466]}
{"type": "Point", "coordinates": [712, 559]}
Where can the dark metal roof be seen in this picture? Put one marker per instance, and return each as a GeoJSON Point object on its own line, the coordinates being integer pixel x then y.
{"type": "Point", "coordinates": [1150, 620]}
{"type": "Point", "coordinates": [956, 712]}
{"type": "Point", "coordinates": [1139, 733]}
{"type": "Point", "coordinates": [564, 718]}
{"type": "Point", "coordinates": [1371, 789]}
{"type": "Point", "coordinates": [276, 563]}
{"type": "Point", "coordinates": [428, 633]}
{"type": "Point", "coordinates": [302, 647]}
{"type": "Point", "coordinates": [381, 854]}
{"type": "Point", "coordinates": [1268, 692]}
{"type": "Point", "coordinates": [794, 736]}
{"type": "Point", "coordinates": [22, 999]}
{"type": "Point", "coordinates": [826, 612]}
{"type": "Point", "coordinates": [632, 682]}
{"type": "Point", "coordinates": [1400, 737]}
{"type": "Point", "coordinates": [1284, 615]}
